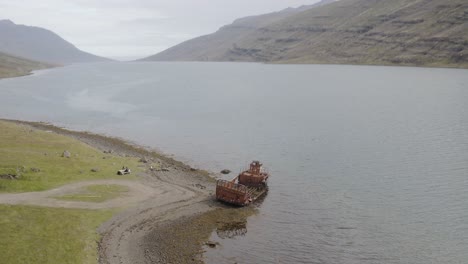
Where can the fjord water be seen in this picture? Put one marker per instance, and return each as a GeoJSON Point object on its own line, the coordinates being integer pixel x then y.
{"type": "Point", "coordinates": [369, 164]}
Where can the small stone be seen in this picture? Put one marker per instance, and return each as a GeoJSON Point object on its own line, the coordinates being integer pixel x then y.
{"type": "Point", "coordinates": [225, 171]}
{"type": "Point", "coordinates": [124, 171]}
{"type": "Point", "coordinates": [35, 169]}
{"type": "Point", "coordinates": [211, 244]}
{"type": "Point", "coordinates": [200, 186]}
{"type": "Point", "coordinates": [95, 169]}
{"type": "Point", "coordinates": [144, 160]}
{"type": "Point", "coordinates": [9, 176]}
{"type": "Point", "coordinates": [66, 154]}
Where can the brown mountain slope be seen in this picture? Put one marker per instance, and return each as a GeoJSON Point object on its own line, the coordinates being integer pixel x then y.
{"type": "Point", "coordinates": [11, 66]}
{"type": "Point", "coordinates": [213, 47]}
{"type": "Point", "coordinates": [396, 32]}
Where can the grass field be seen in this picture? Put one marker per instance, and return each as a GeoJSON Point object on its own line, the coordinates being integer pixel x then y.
{"type": "Point", "coordinates": [53, 235]}
{"type": "Point", "coordinates": [49, 235]}
{"type": "Point", "coordinates": [97, 193]}
{"type": "Point", "coordinates": [36, 156]}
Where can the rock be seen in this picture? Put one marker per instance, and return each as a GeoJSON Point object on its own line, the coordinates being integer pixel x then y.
{"type": "Point", "coordinates": [225, 171]}
{"type": "Point", "coordinates": [211, 244]}
{"type": "Point", "coordinates": [110, 151]}
{"type": "Point", "coordinates": [66, 154]}
{"type": "Point", "coordinates": [144, 160]}
{"type": "Point", "coordinates": [200, 186]}
{"type": "Point", "coordinates": [164, 169]}
{"type": "Point", "coordinates": [8, 176]}
{"type": "Point", "coordinates": [35, 169]}
{"type": "Point", "coordinates": [95, 169]}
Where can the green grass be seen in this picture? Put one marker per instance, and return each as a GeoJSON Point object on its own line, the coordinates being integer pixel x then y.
{"type": "Point", "coordinates": [31, 234]}
{"type": "Point", "coordinates": [96, 193]}
{"type": "Point", "coordinates": [49, 235]}
{"type": "Point", "coordinates": [22, 149]}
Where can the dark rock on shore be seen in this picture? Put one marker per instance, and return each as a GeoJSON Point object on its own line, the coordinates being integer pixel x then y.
{"type": "Point", "coordinates": [225, 171]}
{"type": "Point", "coordinates": [212, 244]}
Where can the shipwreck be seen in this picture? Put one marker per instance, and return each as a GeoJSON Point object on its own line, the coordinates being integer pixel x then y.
{"type": "Point", "coordinates": [246, 188]}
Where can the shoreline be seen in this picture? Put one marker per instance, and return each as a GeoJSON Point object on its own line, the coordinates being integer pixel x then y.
{"type": "Point", "coordinates": [147, 232]}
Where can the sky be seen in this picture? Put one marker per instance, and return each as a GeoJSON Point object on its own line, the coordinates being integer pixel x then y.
{"type": "Point", "coordinates": [131, 29]}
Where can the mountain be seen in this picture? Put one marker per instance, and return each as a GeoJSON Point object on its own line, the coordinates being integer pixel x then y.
{"type": "Point", "coordinates": [213, 47]}
{"type": "Point", "coordinates": [11, 66]}
{"type": "Point", "coordinates": [397, 32]}
{"type": "Point", "coordinates": [40, 44]}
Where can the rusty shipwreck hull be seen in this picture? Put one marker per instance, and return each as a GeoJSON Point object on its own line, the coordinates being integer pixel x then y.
{"type": "Point", "coordinates": [244, 189]}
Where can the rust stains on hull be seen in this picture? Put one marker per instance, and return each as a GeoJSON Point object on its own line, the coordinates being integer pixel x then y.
{"type": "Point", "coordinates": [244, 189]}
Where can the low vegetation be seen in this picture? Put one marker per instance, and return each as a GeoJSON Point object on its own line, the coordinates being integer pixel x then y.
{"type": "Point", "coordinates": [49, 235]}
{"type": "Point", "coordinates": [97, 193]}
{"type": "Point", "coordinates": [36, 161]}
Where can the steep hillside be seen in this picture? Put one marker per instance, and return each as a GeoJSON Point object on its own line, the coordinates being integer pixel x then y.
{"type": "Point", "coordinates": [213, 47]}
{"type": "Point", "coordinates": [397, 32]}
{"type": "Point", "coordinates": [40, 44]}
{"type": "Point", "coordinates": [11, 66]}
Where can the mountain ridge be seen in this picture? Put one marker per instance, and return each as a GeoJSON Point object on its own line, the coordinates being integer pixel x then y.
{"type": "Point", "coordinates": [40, 44]}
{"type": "Point", "coordinates": [398, 32]}
{"type": "Point", "coordinates": [236, 30]}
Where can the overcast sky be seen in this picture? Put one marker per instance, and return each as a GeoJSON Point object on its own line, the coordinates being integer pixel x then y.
{"type": "Point", "coordinates": [129, 29]}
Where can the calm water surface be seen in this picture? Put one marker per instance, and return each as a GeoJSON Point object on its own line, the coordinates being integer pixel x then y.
{"type": "Point", "coordinates": [369, 164]}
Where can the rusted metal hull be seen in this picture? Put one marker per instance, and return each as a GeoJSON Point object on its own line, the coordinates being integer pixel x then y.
{"type": "Point", "coordinates": [248, 179]}
{"type": "Point", "coordinates": [232, 193]}
{"type": "Point", "coordinates": [246, 188]}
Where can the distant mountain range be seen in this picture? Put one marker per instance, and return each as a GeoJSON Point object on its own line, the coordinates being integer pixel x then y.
{"type": "Point", "coordinates": [11, 66]}
{"type": "Point", "coordinates": [40, 45]}
{"type": "Point", "coordinates": [396, 32]}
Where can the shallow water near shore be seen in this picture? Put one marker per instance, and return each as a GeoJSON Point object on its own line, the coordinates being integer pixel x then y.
{"type": "Point", "coordinates": [369, 164]}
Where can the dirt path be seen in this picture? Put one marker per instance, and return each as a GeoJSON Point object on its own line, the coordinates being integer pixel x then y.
{"type": "Point", "coordinates": [137, 192]}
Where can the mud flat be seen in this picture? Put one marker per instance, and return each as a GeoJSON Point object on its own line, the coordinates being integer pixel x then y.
{"type": "Point", "coordinates": [168, 221]}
